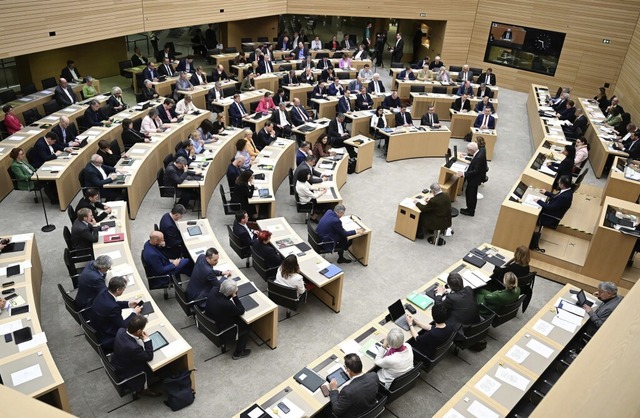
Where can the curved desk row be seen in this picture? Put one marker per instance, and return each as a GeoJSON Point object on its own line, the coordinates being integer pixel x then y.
{"type": "Point", "coordinates": [416, 142]}
{"type": "Point", "coordinates": [420, 103]}
{"type": "Point", "coordinates": [404, 87]}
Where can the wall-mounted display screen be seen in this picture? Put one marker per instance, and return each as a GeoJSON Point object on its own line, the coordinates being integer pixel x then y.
{"type": "Point", "coordinates": [525, 48]}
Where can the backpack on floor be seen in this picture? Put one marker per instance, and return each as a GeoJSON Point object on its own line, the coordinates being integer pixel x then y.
{"type": "Point", "coordinates": [178, 390]}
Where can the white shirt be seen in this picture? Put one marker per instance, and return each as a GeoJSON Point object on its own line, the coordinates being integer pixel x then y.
{"type": "Point", "coordinates": [316, 44]}
{"type": "Point", "coordinates": [358, 54]}
{"type": "Point", "coordinates": [366, 74]}
{"type": "Point", "coordinates": [294, 280]}
{"type": "Point", "coordinates": [375, 119]}
{"type": "Point", "coordinates": [137, 340]}
{"type": "Point", "coordinates": [340, 130]}
{"type": "Point", "coordinates": [283, 118]}
{"type": "Point", "coordinates": [183, 108]}
{"type": "Point", "coordinates": [305, 193]}
{"type": "Point", "coordinates": [73, 74]}
{"type": "Point", "coordinates": [69, 95]}
{"type": "Point", "coordinates": [148, 125]}
{"type": "Point", "coordinates": [101, 170]}
{"type": "Point", "coordinates": [242, 112]}
{"type": "Point", "coordinates": [394, 365]}
{"type": "Point", "coordinates": [200, 78]}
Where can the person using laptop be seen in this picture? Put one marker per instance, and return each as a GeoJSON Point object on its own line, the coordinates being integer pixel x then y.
{"type": "Point", "coordinates": [458, 300]}
{"type": "Point", "coordinates": [607, 293]}
{"type": "Point", "coordinates": [359, 396]}
{"type": "Point", "coordinates": [132, 350]}
{"type": "Point", "coordinates": [225, 308]}
{"type": "Point", "coordinates": [489, 301]}
{"type": "Point", "coordinates": [395, 357]}
{"type": "Point", "coordinates": [431, 335]}
{"type": "Point", "coordinates": [204, 277]}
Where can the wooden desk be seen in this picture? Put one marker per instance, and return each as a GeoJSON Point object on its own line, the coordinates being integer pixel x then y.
{"type": "Point", "coordinates": [264, 317]}
{"type": "Point", "coordinates": [365, 148]}
{"type": "Point", "coordinates": [404, 87]}
{"type": "Point", "coordinates": [319, 128]}
{"type": "Point", "coordinates": [326, 106]}
{"type": "Point", "coordinates": [490, 137]}
{"type": "Point", "coordinates": [267, 82]}
{"type": "Point", "coordinates": [619, 186]}
{"type": "Point", "coordinates": [361, 121]}
{"type": "Point", "coordinates": [224, 60]}
{"type": "Point", "coordinates": [199, 93]}
{"type": "Point", "coordinates": [408, 217]}
{"type": "Point", "coordinates": [298, 90]}
{"type": "Point", "coordinates": [461, 122]}
{"type": "Point", "coordinates": [449, 180]}
{"type": "Point", "coordinates": [410, 142]}
{"type": "Point", "coordinates": [246, 98]}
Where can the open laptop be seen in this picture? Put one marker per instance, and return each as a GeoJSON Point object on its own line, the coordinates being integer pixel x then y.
{"type": "Point", "coordinates": [582, 299]}
{"type": "Point", "coordinates": [398, 315]}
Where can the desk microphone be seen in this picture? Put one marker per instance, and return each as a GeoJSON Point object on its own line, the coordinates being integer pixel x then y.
{"type": "Point", "coordinates": [48, 227]}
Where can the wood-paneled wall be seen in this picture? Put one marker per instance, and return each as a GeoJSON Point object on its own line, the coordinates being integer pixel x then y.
{"type": "Point", "coordinates": [627, 88]}
{"type": "Point", "coordinates": [251, 28]}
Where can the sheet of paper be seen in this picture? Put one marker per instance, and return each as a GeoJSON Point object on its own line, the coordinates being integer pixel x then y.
{"type": "Point", "coordinates": [15, 138]}
{"type": "Point", "coordinates": [38, 339]}
{"type": "Point", "coordinates": [532, 200]}
{"type": "Point", "coordinates": [107, 232]}
{"type": "Point", "coordinates": [349, 346]}
{"type": "Point", "coordinates": [289, 250]}
{"type": "Point", "coordinates": [517, 354]}
{"type": "Point", "coordinates": [471, 279]}
{"type": "Point", "coordinates": [407, 202]}
{"type": "Point", "coordinates": [174, 348]}
{"type": "Point", "coordinates": [117, 203]}
{"type": "Point", "coordinates": [17, 301]}
{"type": "Point", "coordinates": [114, 254]}
{"type": "Point", "coordinates": [93, 133]}
{"type": "Point", "coordinates": [543, 327]}
{"type": "Point", "coordinates": [21, 237]}
{"type": "Point", "coordinates": [26, 375]}
{"type": "Point", "coordinates": [452, 413]}
{"type": "Point", "coordinates": [487, 385]}
{"type": "Point", "coordinates": [569, 317]}
{"type": "Point", "coordinates": [137, 151]}
{"type": "Point", "coordinates": [323, 264]}
{"type": "Point", "coordinates": [11, 326]}
{"type": "Point", "coordinates": [540, 348]}
{"type": "Point", "coordinates": [121, 270]}
{"type": "Point", "coordinates": [273, 228]}
{"type": "Point", "coordinates": [478, 410]}
{"type": "Point", "coordinates": [511, 377]}
{"type": "Point", "coordinates": [567, 326]}
{"type": "Point", "coordinates": [255, 413]}
{"type": "Point", "coordinates": [458, 166]}
{"type": "Point", "coordinates": [33, 131]}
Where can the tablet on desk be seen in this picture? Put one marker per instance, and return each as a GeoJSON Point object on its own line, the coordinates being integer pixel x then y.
{"type": "Point", "coordinates": [22, 335]}
{"type": "Point", "coordinates": [194, 230]}
{"type": "Point", "coordinates": [158, 341]}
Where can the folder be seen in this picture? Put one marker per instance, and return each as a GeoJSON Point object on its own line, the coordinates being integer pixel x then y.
{"type": "Point", "coordinates": [420, 300]}
{"type": "Point", "coordinates": [474, 260]}
{"type": "Point", "coordinates": [309, 379]}
{"type": "Point", "coordinates": [331, 271]}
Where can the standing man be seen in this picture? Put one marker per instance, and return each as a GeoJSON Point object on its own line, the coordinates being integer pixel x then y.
{"type": "Point", "coordinates": [225, 308]}
{"type": "Point", "coordinates": [366, 36]}
{"type": "Point", "coordinates": [357, 397]}
{"type": "Point", "coordinates": [396, 51]}
{"type": "Point", "coordinates": [332, 232]}
{"type": "Point", "coordinates": [474, 175]}
{"type": "Point", "coordinates": [173, 239]}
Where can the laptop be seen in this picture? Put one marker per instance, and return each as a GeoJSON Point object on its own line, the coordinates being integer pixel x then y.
{"type": "Point", "coordinates": [158, 341]}
{"type": "Point", "coordinates": [83, 143]}
{"type": "Point", "coordinates": [398, 315]}
{"type": "Point", "coordinates": [582, 299]}
{"type": "Point", "coordinates": [264, 193]}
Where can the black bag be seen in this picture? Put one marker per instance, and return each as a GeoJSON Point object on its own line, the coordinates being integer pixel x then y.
{"type": "Point", "coordinates": [351, 168]}
{"type": "Point", "coordinates": [178, 390]}
{"type": "Point", "coordinates": [468, 137]}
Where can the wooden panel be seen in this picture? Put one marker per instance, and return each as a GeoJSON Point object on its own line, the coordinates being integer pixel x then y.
{"type": "Point", "coordinates": [262, 26]}
{"type": "Point", "coordinates": [585, 63]}
{"type": "Point", "coordinates": [26, 24]}
{"type": "Point", "coordinates": [627, 86]}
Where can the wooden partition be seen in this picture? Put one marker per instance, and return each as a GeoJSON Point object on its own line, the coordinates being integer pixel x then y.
{"type": "Point", "coordinates": [627, 85]}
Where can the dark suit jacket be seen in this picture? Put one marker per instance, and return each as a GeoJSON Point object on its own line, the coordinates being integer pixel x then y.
{"type": "Point", "coordinates": [246, 237]}
{"type": "Point", "coordinates": [224, 311]}
{"type": "Point", "coordinates": [93, 177]}
{"type": "Point", "coordinates": [195, 81]}
{"type": "Point", "coordinates": [332, 90]}
{"type": "Point", "coordinates": [182, 66]}
{"type": "Point", "coordinates": [477, 170]}
{"type": "Point", "coordinates": [287, 79]}
{"type": "Point", "coordinates": [464, 90]}
{"type": "Point", "coordinates": [491, 123]}
{"type": "Point", "coordinates": [148, 74]}
{"type": "Point", "coordinates": [332, 130]}
{"type": "Point", "coordinates": [461, 306]}
{"type": "Point", "coordinates": [130, 137]}
{"type": "Point", "coordinates": [275, 117]}
{"type": "Point", "coordinates": [62, 98]}
{"type": "Point", "coordinates": [106, 317]}
{"type": "Point", "coordinates": [371, 88]}
{"type": "Point", "coordinates": [323, 65]}
{"type": "Point", "coordinates": [242, 194]}
{"type": "Point", "coordinates": [296, 51]}
{"type": "Point", "coordinates": [159, 264]}
{"type": "Point", "coordinates": [113, 102]}
{"type": "Point", "coordinates": [262, 66]}
{"type": "Point", "coordinates": [85, 203]}
{"type": "Point", "coordinates": [343, 44]}
{"type": "Point", "coordinates": [163, 113]}
{"type": "Point", "coordinates": [425, 120]}
{"type": "Point", "coordinates": [555, 208]}
{"type": "Point", "coordinates": [168, 227]}
{"type": "Point", "coordinates": [173, 176]}
{"type": "Point", "coordinates": [403, 75]}
{"type": "Point", "coordinates": [483, 78]}
{"type": "Point", "coordinates": [633, 149]}
{"type": "Point", "coordinates": [364, 102]}
{"type": "Point", "coordinates": [94, 118]}
{"type": "Point", "coordinates": [296, 118]}
{"type": "Point", "coordinates": [487, 92]}
{"type": "Point", "coordinates": [457, 104]}
{"type": "Point", "coordinates": [330, 229]}
{"type": "Point", "coordinates": [71, 133]}
{"type": "Point", "coordinates": [396, 55]}
{"type": "Point", "coordinates": [271, 257]}
{"type": "Point", "coordinates": [469, 76]}
{"type": "Point", "coordinates": [436, 214]}
{"type": "Point", "coordinates": [263, 139]}
{"type": "Point", "coordinates": [137, 61]}
{"type": "Point", "coordinates": [356, 398]}
{"type": "Point", "coordinates": [318, 92]}
{"type": "Point", "coordinates": [66, 74]}
{"type": "Point", "coordinates": [235, 116]}
{"type": "Point", "coordinates": [568, 114]}
{"type": "Point", "coordinates": [400, 121]}
{"type": "Point", "coordinates": [389, 102]}
{"type": "Point", "coordinates": [480, 107]}
{"type": "Point", "coordinates": [129, 358]}
{"type": "Point", "coordinates": [565, 168]}
{"type": "Point", "coordinates": [90, 284]}
{"type": "Point", "coordinates": [109, 159]}
{"type": "Point", "coordinates": [232, 174]}
{"type": "Point", "coordinates": [163, 70]}
{"type": "Point", "coordinates": [204, 279]}
{"type": "Point", "coordinates": [41, 153]}
{"type": "Point", "coordinates": [83, 235]}
{"type": "Point", "coordinates": [344, 105]}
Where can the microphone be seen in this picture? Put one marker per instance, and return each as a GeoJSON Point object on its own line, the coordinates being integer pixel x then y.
{"type": "Point", "coordinates": [48, 227]}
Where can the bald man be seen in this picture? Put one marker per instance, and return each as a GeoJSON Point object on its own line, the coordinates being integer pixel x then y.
{"type": "Point", "coordinates": [159, 264]}
{"type": "Point", "coordinates": [64, 94]}
{"type": "Point", "coordinates": [96, 175]}
{"type": "Point", "coordinates": [66, 132]}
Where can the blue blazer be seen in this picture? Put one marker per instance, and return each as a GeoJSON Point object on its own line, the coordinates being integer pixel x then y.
{"type": "Point", "coordinates": [90, 284]}
{"type": "Point", "coordinates": [129, 358]}
{"type": "Point", "coordinates": [332, 90]}
{"type": "Point", "coordinates": [183, 153]}
{"type": "Point", "coordinates": [106, 317]}
{"type": "Point", "coordinates": [159, 264]}
{"type": "Point", "coordinates": [556, 207]}
{"type": "Point", "coordinates": [300, 157]}
{"type": "Point", "coordinates": [41, 153]}
{"type": "Point", "coordinates": [204, 278]}
{"type": "Point", "coordinates": [147, 74]}
{"type": "Point", "coordinates": [344, 105]}
{"type": "Point", "coordinates": [295, 116]}
{"type": "Point", "coordinates": [93, 178]}
{"type": "Point", "coordinates": [171, 232]}
{"type": "Point", "coordinates": [232, 174]}
{"type": "Point", "coordinates": [478, 122]}
{"type": "Point", "coordinates": [182, 66]}
{"type": "Point", "coordinates": [330, 229]}
{"type": "Point", "coordinates": [235, 116]}
{"type": "Point", "coordinates": [403, 74]}
{"type": "Point", "coordinates": [241, 232]}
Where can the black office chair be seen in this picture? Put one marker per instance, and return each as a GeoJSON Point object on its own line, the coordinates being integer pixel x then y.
{"type": "Point", "coordinates": [321, 55]}
{"type": "Point", "coordinates": [14, 181]}
{"type": "Point", "coordinates": [210, 330]}
{"type": "Point", "coordinates": [455, 68]}
{"type": "Point", "coordinates": [162, 281]}
{"type": "Point", "coordinates": [439, 90]}
{"type": "Point", "coordinates": [78, 315]}
{"type": "Point", "coordinates": [230, 50]}
{"type": "Point", "coordinates": [71, 214]}
{"type": "Point", "coordinates": [168, 159]}
{"type": "Point", "coordinates": [375, 410]}
{"type": "Point", "coordinates": [72, 268]}
{"type": "Point", "coordinates": [285, 67]}
{"type": "Point", "coordinates": [28, 89]}
{"type": "Point", "coordinates": [343, 75]}
{"type": "Point", "coordinates": [316, 242]}
{"type": "Point", "coordinates": [165, 191]}
{"type": "Point", "coordinates": [121, 385]}
{"type": "Point", "coordinates": [50, 107]}
{"type": "Point", "coordinates": [228, 207]}
{"type": "Point", "coordinates": [428, 363]}
{"type": "Point", "coordinates": [91, 335]}
{"type": "Point", "coordinates": [181, 297]}
{"type": "Point", "coordinates": [31, 116]}
{"type": "Point", "coordinates": [267, 273]}
{"type": "Point", "coordinates": [337, 55]}
{"type": "Point", "coordinates": [115, 147]}
{"type": "Point", "coordinates": [401, 384]}
{"type": "Point", "coordinates": [476, 71]}
{"type": "Point", "coordinates": [581, 176]}
{"type": "Point", "coordinates": [526, 284]}
{"type": "Point", "coordinates": [7, 96]}
{"type": "Point", "coordinates": [243, 251]}
{"type": "Point", "coordinates": [77, 255]}
{"type": "Point", "coordinates": [125, 64]}
{"type": "Point", "coordinates": [83, 125]}
{"type": "Point", "coordinates": [417, 89]}
{"type": "Point", "coordinates": [262, 39]}
{"type": "Point", "coordinates": [506, 312]}
{"type": "Point", "coordinates": [470, 335]}
{"type": "Point", "coordinates": [292, 183]}
{"type": "Point", "coordinates": [48, 83]}
{"type": "Point", "coordinates": [284, 296]}
{"type": "Point", "coordinates": [306, 208]}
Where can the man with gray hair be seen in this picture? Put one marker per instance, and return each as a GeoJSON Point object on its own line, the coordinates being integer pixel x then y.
{"type": "Point", "coordinates": [175, 174]}
{"type": "Point", "coordinates": [96, 175]}
{"type": "Point", "coordinates": [474, 176]}
{"type": "Point", "coordinates": [225, 308]}
{"type": "Point", "coordinates": [91, 280]}
{"type": "Point", "coordinates": [435, 215]}
{"type": "Point", "coordinates": [332, 232]}
{"type": "Point", "coordinates": [607, 293]}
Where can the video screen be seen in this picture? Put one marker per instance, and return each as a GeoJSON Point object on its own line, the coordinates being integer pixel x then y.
{"type": "Point", "coordinates": [525, 48]}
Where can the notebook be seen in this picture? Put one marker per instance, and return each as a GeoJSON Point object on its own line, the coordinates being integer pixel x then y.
{"type": "Point", "coordinates": [194, 230]}
{"type": "Point", "coordinates": [420, 300]}
{"type": "Point", "coordinates": [309, 379]}
{"type": "Point", "coordinates": [474, 260]}
{"type": "Point", "coordinates": [114, 238]}
{"type": "Point", "coordinates": [248, 303]}
{"type": "Point", "coordinates": [246, 289]}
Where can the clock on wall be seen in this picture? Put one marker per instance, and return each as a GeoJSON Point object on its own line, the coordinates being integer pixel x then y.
{"type": "Point", "coordinates": [542, 42]}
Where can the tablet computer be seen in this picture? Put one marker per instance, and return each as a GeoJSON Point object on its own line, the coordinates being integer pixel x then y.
{"type": "Point", "coordinates": [194, 230]}
{"type": "Point", "coordinates": [340, 375]}
{"type": "Point", "coordinates": [158, 341]}
{"type": "Point", "coordinates": [22, 335]}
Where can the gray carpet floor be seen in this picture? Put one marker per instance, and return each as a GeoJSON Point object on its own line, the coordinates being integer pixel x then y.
{"type": "Point", "coordinates": [396, 267]}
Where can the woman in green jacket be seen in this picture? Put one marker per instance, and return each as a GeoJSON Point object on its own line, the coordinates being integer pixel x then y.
{"type": "Point", "coordinates": [22, 170]}
{"type": "Point", "coordinates": [496, 300]}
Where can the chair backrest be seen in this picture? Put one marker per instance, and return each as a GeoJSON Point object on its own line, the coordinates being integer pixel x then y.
{"type": "Point", "coordinates": [120, 385]}
{"type": "Point", "coordinates": [507, 312]}
{"type": "Point", "coordinates": [71, 267]}
{"type": "Point", "coordinates": [30, 155]}
{"type": "Point", "coordinates": [243, 251]}
{"type": "Point", "coordinates": [50, 107]}
{"type": "Point", "coordinates": [115, 147]}
{"type": "Point", "coordinates": [66, 234]}
{"type": "Point", "coordinates": [83, 184]}
{"type": "Point", "coordinates": [476, 71]}
{"type": "Point", "coordinates": [263, 39]}
{"type": "Point", "coordinates": [13, 178]}
{"type": "Point", "coordinates": [474, 333]}
{"type": "Point", "coordinates": [343, 75]}
{"type": "Point", "coordinates": [48, 83]}
{"type": "Point", "coordinates": [91, 336]}
{"type": "Point", "coordinates": [122, 65]}
{"type": "Point", "coordinates": [229, 208]}
{"type": "Point", "coordinates": [302, 207]}
{"type": "Point", "coordinates": [70, 305]}
{"type": "Point", "coordinates": [315, 241]}
{"type": "Point", "coordinates": [71, 213]}
{"type": "Point", "coordinates": [285, 67]}
{"type": "Point", "coordinates": [209, 328]}
{"type": "Point", "coordinates": [397, 65]}
{"type": "Point", "coordinates": [292, 183]}
{"type": "Point", "coordinates": [428, 363]}
{"type": "Point", "coordinates": [28, 89]}
{"type": "Point", "coordinates": [181, 297]}
{"type": "Point", "coordinates": [376, 410]}
{"type": "Point", "coordinates": [82, 123]}
{"type": "Point", "coordinates": [259, 265]}
{"type": "Point", "coordinates": [155, 282]}
{"type": "Point", "coordinates": [168, 159]}
{"type": "Point", "coordinates": [165, 191]}
{"type": "Point", "coordinates": [581, 176]}
{"type": "Point", "coordinates": [527, 280]}
{"type": "Point", "coordinates": [439, 90]}
{"type": "Point", "coordinates": [246, 39]}
{"type": "Point", "coordinates": [417, 89]}
{"type": "Point", "coordinates": [321, 55]}
{"type": "Point", "coordinates": [284, 296]}
{"type": "Point", "coordinates": [455, 68]}
{"type": "Point", "coordinates": [30, 116]}
{"type": "Point", "coordinates": [230, 50]}
{"type": "Point", "coordinates": [7, 96]}
{"type": "Point", "coordinates": [403, 384]}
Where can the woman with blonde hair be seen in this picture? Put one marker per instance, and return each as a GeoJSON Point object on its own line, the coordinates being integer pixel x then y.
{"type": "Point", "coordinates": [489, 301]}
{"type": "Point", "coordinates": [518, 265]}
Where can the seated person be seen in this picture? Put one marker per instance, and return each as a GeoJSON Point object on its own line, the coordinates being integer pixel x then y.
{"type": "Point", "coordinates": [327, 75]}
{"type": "Point", "coordinates": [332, 232]}
{"type": "Point", "coordinates": [335, 88]}
{"type": "Point", "coordinates": [308, 164]}
{"type": "Point", "coordinates": [436, 63]}
{"type": "Point", "coordinates": [568, 113]}
{"type": "Point", "coordinates": [116, 101]}
{"type": "Point", "coordinates": [265, 104]}
{"type": "Point", "coordinates": [234, 170]}
{"type": "Point", "coordinates": [484, 91]}
{"type": "Point", "coordinates": [436, 214]}
{"type": "Point", "coordinates": [109, 158]}
{"type": "Point", "coordinates": [84, 231]}
{"type": "Point", "coordinates": [167, 113]}
{"type": "Point", "coordinates": [106, 312]}
{"type": "Point", "coordinates": [465, 88]}
{"type": "Point", "coordinates": [185, 106]}
{"type": "Point", "coordinates": [442, 75]}
{"type": "Point", "coordinates": [93, 116]}
{"type": "Point", "coordinates": [461, 104]}
{"type": "Point", "coordinates": [11, 122]}
{"type": "Point", "coordinates": [394, 358]}
{"type": "Point", "coordinates": [564, 167]}
{"type": "Point", "coordinates": [430, 118]}
{"type": "Point", "coordinates": [407, 74]}
{"type": "Point", "coordinates": [175, 174]}
{"type": "Point", "coordinates": [485, 120]}
{"type": "Point", "coordinates": [151, 123]}
{"type": "Point", "coordinates": [403, 118]}
{"type": "Point", "coordinates": [64, 94]}
{"type": "Point", "coordinates": [130, 136]}
{"type": "Point", "coordinates": [492, 301]}
{"type": "Point", "coordinates": [219, 74]}
{"type": "Point", "coordinates": [132, 351]}
{"type": "Point", "coordinates": [483, 104]}
{"type": "Point", "coordinates": [432, 335]}
{"type": "Point", "coordinates": [281, 120]}
{"type": "Point", "coordinates": [344, 103]}
{"type": "Point", "coordinates": [243, 191]}
{"type": "Point", "coordinates": [174, 244]}
{"type": "Point", "coordinates": [391, 102]}
{"type": "Point", "coordinates": [96, 175]}
{"type": "Point", "coordinates": [424, 74]}
{"type": "Point", "coordinates": [364, 101]}
{"type": "Point", "coordinates": [458, 300]}
{"type": "Point", "coordinates": [366, 73]}
{"type": "Point", "coordinates": [554, 209]}
{"type": "Point", "coordinates": [187, 151]}
{"type": "Point", "coordinates": [338, 133]}
{"type": "Point", "coordinates": [518, 265]}
{"type": "Point", "coordinates": [149, 91]}
{"type": "Point", "coordinates": [289, 274]}
{"type": "Point", "coordinates": [225, 308]}
{"type": "Point", "coordinates": [487, 77]}
{"type": "Point", "coordinates": [91, 280]}
{"type": "Point", "coordinates": [263, 248]}
{"type": "Point", "coordinates": [159, 264]}
{"type": "Point", "coordinates": [607, 294]}
{"type": "Point", "coordinates": [237, 111]}
{"type": "Point", "coordinates": [359, 395]}
{"type": "Point", "coordinates": [242, 230]}
{"type": "Point", "coordinates": [166, 68]}
{"type": "Point", "coordinates": [88, 90]}
{"type": "Point", "coordinates": [204, 277]}
{"type": "Point", "coordinates": [465, 74]}
{"type": "Point", "coordinates": [307, 195]}
{"type": "Point", "coordinates": [266, 136]}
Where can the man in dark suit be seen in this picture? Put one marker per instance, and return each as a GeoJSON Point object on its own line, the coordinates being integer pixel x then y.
{"type": "Point", "coordinates": [430, 118]}
{"type": "Point", "coordinates": [392, 101]}
{"type": "Point", "coordinates": [84, 231]}
{"type": "Point", "coordinates": [436, 64]}
{"type": "Point", "coordinates": [403, 118]}
{"type": "Point", "coordinates": [234, 170]}
{"type": "Point", "coordinates": [568, 113]}
{"type": "Point", "coordinates": [375, 85]}
{"type": "Point", "coordinates": [356, 85]}
{"type": "Point", "coordinates": [137, 59]}
{"type": "Point", "coordinates": [64, 94]}
{"type": "Point", "coordinates": [166, 54]}
{"type": "Point", "coordinates": [330, 230]}
{"type": "Point", "coordinates": [361, 53]}
{"type": "Point", "coordinates": [93, 116]}
{"type": "Point", "coordinates": [631, 146]}
{"type": "Point", "coordinates": [266, 136]}
{"type": "Point", "coordinates": [204, 277]}
{"type": "Point", "coordinates": [364, 101]}
{"type": "Point", "coordinates": [71, 73]}
{"type": "Point", "coordinates": [265, 66]}
{"type": "Point", "coordinates": [166, 68]}
{"type": "Point", "coordinates": [91, 200]}
{"type": "Point", "coordinates": [175, 174]}
{"type": "Point", "coordinates": [237, 112]}
{"type": "Point", "coordinates": [150, 73]}
{"type": "Point", "coordinates": [396, 51]}
{"type": "Point", "coordinates": [300, 52]}
{"type": "Point", "coordinates": [46, 149]}
{"type": "Point", "coordinates": [174, 245]}
{"type": "Point", "coordinates": [307, 164]}
{"type": "Point", "coordinates": [283, 43]}
{"type": "Point", "coordinates": [347, 43]}
{"type": "Point", "coordinates": [488, 77]}
{"type": "Point", "coordinates": [577, 128]}
{"type": "Point", "coordinates": [475, 174]}
{"type": "Point", "coordinates": [241, 228]}
{"type": "Point", "coordinates": [465, 88]}
{"type": "Point", "coordinates": [359, 396]}
{"type": "Point", "coordinates": [319, 91]}
{"type": "Point", "coordinates": [344, 103]}
{"type": "Point", "coordinates": [407, 74]}
{"type": "Point", "coordinates": [335, 88]}
{"type": "Point", "coordinates": [106, 312]}
{"type": "Point", "coordinates": [299, 115]}
{"type": "Point", "coordinates": [484, 91]}
{"type": "Point", "coordinates": [465, 74]}
{"type": "Point", "coordinates": [304, 150]}
{"type": "Point", "coordinates": [96, 175]}
{"type": "Point", "coordinates": [461, 104]}
{"type": "Point", "coordinates": [436, 214]}
{"type": "Point", "coordinates": [337, 133]}
{"type": "Point", "coordinates": [91, 280]}
{"type": "Point", "coordinates": [167, 112]}
{"type": "Point", "coordinates": [66, 132]}
{"type": "Point", "coordinates": [130, 357]}
{"type": "Point", "coordinates": [219, 74]}
{"type": "Point", "coordinates": [561, 103]}
{"type": "Point", "coordinates": [159, 264]}
{"type": "Point", "coordinates": [558, 204]}
{"type": "Point", "coordinates": [486, 120]}
{"type": "Point", "coordinates": [281, 120]}
{"type": "Point", "coordinates": [459, 301]}
{"type": "Point", "coordinates": [186, 65]}
{"type": "Point", "coordinates": [225, 308]}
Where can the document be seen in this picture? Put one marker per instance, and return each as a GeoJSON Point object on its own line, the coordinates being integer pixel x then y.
{"type": "Point", "coordinates": [1, 150]}
{"type": "Point", "coordinates": [458, 166]}
{"type": "Point", "coordinates": [571, 307]}
{"type": "Point", "coordinates": [349, 224]}
{"type": "Point", "coordinates": [26, 375]}
{"type": "Point", "coordinates": [121, 270]}
{"type": "Point", "coordinates": [478, 410]}
{"type": "Point", "coordinates": [114, 254]}
{"type": "Point", "coordinates": [567, 326]}
{"type": "Point", "coordinates": [532, 200]}
{"type": "Point", "coordinates": [349, 347]}
{"type": "Point", "coordinates": [471, 279]}
{"type": "Point", "coordinates": [517, 354]}
{"type": "Point", "coordinates": [9, 327]}
{"type": "Point", "coordinates": [407, 202]}
{"type": "Point", "coordinates": [175, 348]}
{"type": "Point", "coordinates": [569, 317]}
{"type": "Point", "coordinates": [107, 232]}
{"type": "Point", "coordinates": [452, 413]}
{"type": "Point", "coordinates": [36, 340]}
{"type": "Point", "coordinates": [15, 138]}
{"type": "Point", "coordinates": [540, 348]}
{"type": "Point", "coordinates": [33, 131]}
{"type": "Point", "coordinates": [542, 327]}
{"type": "Point", "coordinates": [487, 385]}
{"type": "Point", "coordinates": [513, 378]}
